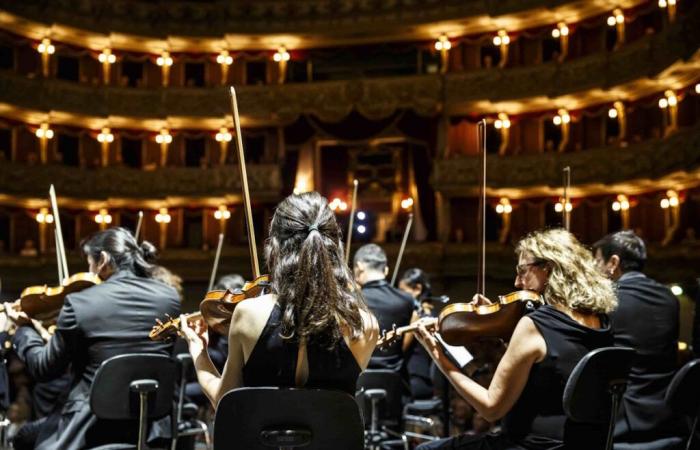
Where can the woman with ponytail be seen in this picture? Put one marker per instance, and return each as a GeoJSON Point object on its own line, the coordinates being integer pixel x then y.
{"type": "Point", "coordinates": [313, 330]}
{"type": "Point", "coordinates": [109, 319]}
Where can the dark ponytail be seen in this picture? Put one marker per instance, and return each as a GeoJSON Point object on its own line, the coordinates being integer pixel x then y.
{"type": "Point", "coordinates": [308, 272]}
{"type": "Point", "coordinates": [123, 250]}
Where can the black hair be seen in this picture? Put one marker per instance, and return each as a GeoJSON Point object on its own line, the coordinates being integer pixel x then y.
{"type": "Point", "coordinates": [627, 246]}
{"type": "Point", "coordinates": [371, 255]}
{"type": "Point", "coordinates": [314, 286]}
{"type": "Point", "coordinates": [415, 276]}
{"type": "Point", "coordinates": [232, 282]}
{"type": "Point", "coordinates": [123, 250]}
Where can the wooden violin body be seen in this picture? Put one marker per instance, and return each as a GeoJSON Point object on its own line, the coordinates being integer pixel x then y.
{"type": "Point", "coordinates": [464, 323]}
{"type": "Point", "coordinates": [44, 302]}
{"type": "Point", "coordinates": [217, 306]}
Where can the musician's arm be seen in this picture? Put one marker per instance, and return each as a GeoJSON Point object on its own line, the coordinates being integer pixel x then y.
{"type": "Point", "coordinates": [408, 337]}
{"type": "Point", "coordinates": [48, 360]}
{"type": "Point", "coordinates": [526, 348]}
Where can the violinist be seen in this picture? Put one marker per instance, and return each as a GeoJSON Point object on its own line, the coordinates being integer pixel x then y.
{"type": "Point", "coordinates": [527, 388]}
{"type": "Point", "coordinates": [416, 283]}
{"type": "Point", "coordinates": [109, 319]}
{"type": "Point", "coordinates": [647, 319]}
{"type": "Point", "coordinates": [391, 306]}
{"type": "Point", "coordinates": [313, 329]}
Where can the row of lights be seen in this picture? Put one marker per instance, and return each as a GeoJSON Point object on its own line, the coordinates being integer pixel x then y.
{"type": "Point", "coordinates": [45, 47]}
{"type": "Point", "coordinates": [442, 44]}
{"type": "Point", "coordinates": [669, 99]}
{"type": "Point", "coordinates": [563, 117]}
{"type": "Point", "coordinates": [621, 203]}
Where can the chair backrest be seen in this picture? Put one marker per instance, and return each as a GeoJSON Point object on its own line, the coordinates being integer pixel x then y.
{"type": "Point", "coordinates": [587, 396]}
{"type": "Point", "coordinates": [111, 396]}
{"type": "Point", "coordinates": [389, 409]}
{"type": "Point", "coordinates": [246, 417]}
{"type": "Point", "coordinates": [683, 394]}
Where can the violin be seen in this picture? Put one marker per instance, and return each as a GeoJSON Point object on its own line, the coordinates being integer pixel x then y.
{"type": "Point", "coordinates": [217, 306]}
{"type": "Point", "coordinates": [465, 323]}
{"type": "Point", "coordinates": [390, 336]}
{"type": "Point", "coordinates": [216, 309]}
{"type": "Point", "coordinates": [44, 302]}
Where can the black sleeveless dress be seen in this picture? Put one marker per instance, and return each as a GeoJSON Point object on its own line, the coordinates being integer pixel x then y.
{"type": "Point", "coordinates": [537, 420]}
{"type": "Point", "coordinates": [273, 361]}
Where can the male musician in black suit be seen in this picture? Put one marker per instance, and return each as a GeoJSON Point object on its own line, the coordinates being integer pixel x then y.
{"type": "Point", "coordinates": [647, 319]}
{"type": "Point", "coordinates": [112, 318]}
{"type": "Point", "coordinates": [389, 305]}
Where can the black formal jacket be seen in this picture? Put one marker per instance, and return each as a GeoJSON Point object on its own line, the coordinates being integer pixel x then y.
{"type": "Point", "coordinates": [109, 319]}
{"type": "Point", "coordinates": [391, 307]}
{"type": "Point", "coordinates": [647, 319]}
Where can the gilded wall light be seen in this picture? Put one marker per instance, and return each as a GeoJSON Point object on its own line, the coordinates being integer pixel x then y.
{"type": "Point", "coordinates": [669, 104]}
{"type": "Point", "coordinates": [504, 209]}
{"type": "Point", "coordinates": [443, 45]}
{"type": "Point", "coordinates": [44, 133]}
{"type": "Point", "coordinates": [105, 137]}
{"type": "Point", "coordinates": [670, 6]}
{"type": "Point", "coordinates": [622, 205]}
{"type": "Point", "coordinates": [501, 40]}
{"type": "Point", "coordinates": [563, 120]}
{"type": "Point", "coordinates": [561, 32]}
{"type": "Point", "coordinates": [617, 19]}
{"type": "Point", "coordinates": [107, 58]}
{"type": "Point", "coordinates": [223, 137]}
{"type": "Point", "coordinates": [281, 57]}
{"type": "Point", "coordinates": [224, 59]}
{"type": "Point", "coordinates": [164, 61]}
{"type": "Point", "coordinates": [164, 138]}
{"type": "Point", "coordinates": [502, 124]}
{"type": "Point", "coordinates": [45, 49]}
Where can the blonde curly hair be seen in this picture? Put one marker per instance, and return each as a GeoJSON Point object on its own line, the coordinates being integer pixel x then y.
{"type": "Point", "coordinates": [574, 281]}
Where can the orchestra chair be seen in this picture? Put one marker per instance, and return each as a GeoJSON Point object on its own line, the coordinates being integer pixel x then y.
{"type": "Point", "coordinates": [379, 395]}
{"type": "Point", "coordinates": [265, 418]}
{"type": "Point", "coordinates": [593, 394]}
{"type": "Point", "coordinates": [683, 397]}
{"type": "Point", "coordinates": [186, 413]}
{"type": "Point", "coordinates": [145, 384]}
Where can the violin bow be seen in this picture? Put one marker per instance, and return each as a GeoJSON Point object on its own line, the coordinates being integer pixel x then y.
{"type": "Point", "coordinates": [244, 184]}
{"type": "Point", "coordinates": [403, 247]}
{"type": "Point", "coordinates": [138, 226]}
{"type": "Point", "coordinates": [481, 216]}
{"type": "Point", "coordinates": [59, 233]}
{"type": "Point", "coordinates": [58, 259]}
{"type": "Point", "coordinates": [567, 186]}
{"type": "Point", "coordinates": [216, 261]}
{"type": "Point", "coordinates": [351, 222]}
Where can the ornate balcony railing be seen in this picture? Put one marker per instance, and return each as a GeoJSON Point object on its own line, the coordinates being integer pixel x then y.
{"type": "Point", "coordinates": [25, 181]}
{"type": "Point", "coordinates": [677, 155]}
{"type": "Point", "coordinates": [458, 93]}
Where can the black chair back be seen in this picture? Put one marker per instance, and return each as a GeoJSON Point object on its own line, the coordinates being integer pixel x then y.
{"type": "Point", "coordinates": [112, 396]}
{"type": "Point", "coordinates": [593, 392]}
{"type": "Point", "coordinates": [683, 395]}
{"type": "Point", "coordinates": [390, 409]}
{"type": "Point", "coordinates": [265, 418]}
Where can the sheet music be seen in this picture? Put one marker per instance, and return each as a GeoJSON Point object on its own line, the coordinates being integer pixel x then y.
{"type": "Point", "coordinates": [458, 355]}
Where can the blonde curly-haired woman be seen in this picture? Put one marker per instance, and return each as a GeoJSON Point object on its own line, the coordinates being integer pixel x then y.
{"type": "Point", "coordinates": [527, 388]}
